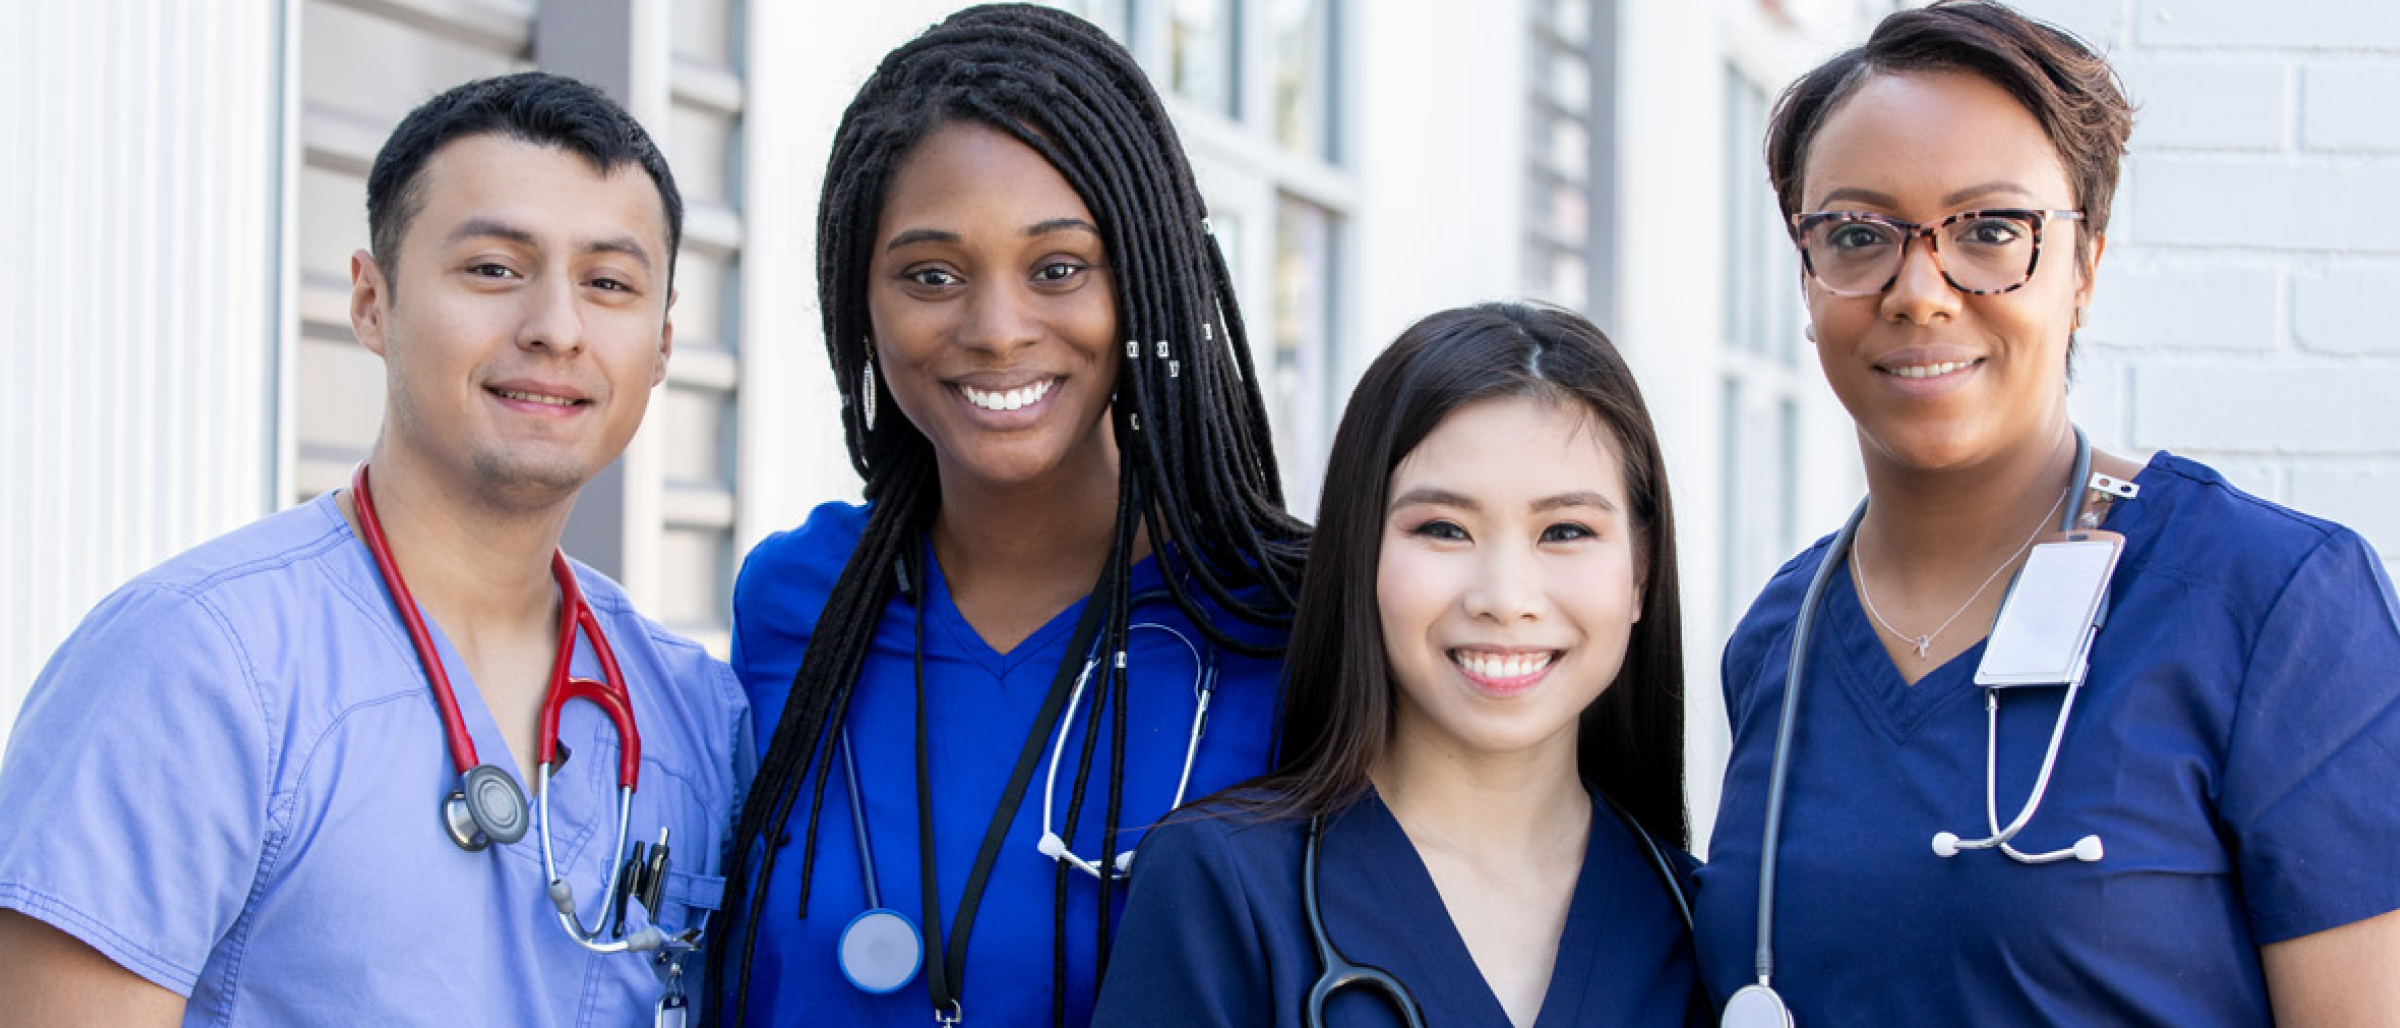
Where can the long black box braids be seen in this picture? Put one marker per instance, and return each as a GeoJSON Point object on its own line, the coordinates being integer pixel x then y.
{"type": "Point", "coordinates": [1197, 469]}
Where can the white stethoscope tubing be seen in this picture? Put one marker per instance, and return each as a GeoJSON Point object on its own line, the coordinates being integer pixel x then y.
{"type": "Point", "coordinates": [2086, 849]}
{"type": "Point", "coordinates": [1204, 685]}
{"type": "Point", "coordinates": [562, 892]}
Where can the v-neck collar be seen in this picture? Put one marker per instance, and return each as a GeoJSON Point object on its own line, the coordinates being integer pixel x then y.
{"type": "Point", "coordinates": [1867, 675]}
{"type": "Point", "coordinates": [1865, 671]}
{"type": "Point", "coordinates": [1382, 853]}
{"type": "Point", "coordinates": [942, 615]}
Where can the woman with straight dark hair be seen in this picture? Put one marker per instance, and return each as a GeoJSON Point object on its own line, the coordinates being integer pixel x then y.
{"type": "Point", "coordinates": [1059, 609]}
{"type": "Point", "coordinates": [2148, 781]}
{"type": "Point", "coordinates": [1480, 794]}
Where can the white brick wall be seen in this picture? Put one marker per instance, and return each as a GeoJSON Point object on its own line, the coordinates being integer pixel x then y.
{"type": "Point", "coordinates": [2249, 304]}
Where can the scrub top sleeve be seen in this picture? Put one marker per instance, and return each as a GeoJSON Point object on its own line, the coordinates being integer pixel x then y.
{"type": "Point", "coordinates": [137, 786]}
{"type": "Point", "coordinates": [743, 747]}
{"type": "Point", "coordinates": [2315, 749]}
{"type": "Point", "coordinates": [1190, 953]}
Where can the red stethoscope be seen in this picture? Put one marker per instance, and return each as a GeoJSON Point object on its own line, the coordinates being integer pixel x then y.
{"type": "Point", "coordinates": [488, 806]}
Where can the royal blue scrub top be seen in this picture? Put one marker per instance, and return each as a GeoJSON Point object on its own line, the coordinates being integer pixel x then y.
{"type": "Point", "coordinates": [980, 706]}
{"type": "Point", "coordinates": [228, 781]}
{"type": "Point", "coordinates": [1218, 935]}
{"type": "Point", "coordinates": [2235, 747]}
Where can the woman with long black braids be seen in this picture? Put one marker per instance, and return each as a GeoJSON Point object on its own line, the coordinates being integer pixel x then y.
{"type": "Point", "coordinates": [1074, 537]}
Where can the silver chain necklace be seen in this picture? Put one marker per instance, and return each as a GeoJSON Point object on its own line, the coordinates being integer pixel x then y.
{"type": "Point", "coordinates": [1922, 643]}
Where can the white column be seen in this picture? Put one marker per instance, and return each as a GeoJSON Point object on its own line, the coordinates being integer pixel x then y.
{"type": "Point", "coordinates": [142, 299]}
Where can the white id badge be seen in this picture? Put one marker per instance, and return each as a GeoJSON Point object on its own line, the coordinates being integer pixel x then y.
{"type": "Point", "coordinates": [2044, 631]}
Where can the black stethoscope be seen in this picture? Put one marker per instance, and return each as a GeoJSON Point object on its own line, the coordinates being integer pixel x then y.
{"type": "Point", "coordinates": [488, 806]}
{"type": "Point", "coordinates": [881, 949]}
{"type": "Point", "coordinates": [1758, 1005]}
{"type": "Point", "coordinates": [1339, 972]}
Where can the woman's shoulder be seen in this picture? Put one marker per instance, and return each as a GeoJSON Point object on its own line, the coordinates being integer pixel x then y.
{"type": "Point", "coordinates": [1778, 602]}
{"type": "Point", "coordinates": [802, 561]}
{"type": "Point", "coordinates": [2192, 523]}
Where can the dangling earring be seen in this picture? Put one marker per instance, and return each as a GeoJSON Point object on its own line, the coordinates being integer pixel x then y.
{"type": "Point", "coordinates": [1809, 330]}
{"type": "Point", "coordinates": [866, 395]}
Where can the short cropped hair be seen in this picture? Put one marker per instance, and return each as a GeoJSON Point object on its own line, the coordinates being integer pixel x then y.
{"type": "Point", "coordinates": [2067, 86]}
{"type": "Point", "coordinates": [534, 107]}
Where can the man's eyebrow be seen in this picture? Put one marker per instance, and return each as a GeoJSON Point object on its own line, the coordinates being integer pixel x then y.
{"type": "Point", "coordinates": [628, 245]}
{"type": "Point", "coordinates": [489, 228]}
{"type": "Point", "coordinates": [494, 228]}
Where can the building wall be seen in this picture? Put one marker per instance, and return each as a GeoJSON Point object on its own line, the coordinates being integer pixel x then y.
{"type": "Point", "coordinates": [140, 296]}
{"type": "Point", "coordinates": [2237, 317]}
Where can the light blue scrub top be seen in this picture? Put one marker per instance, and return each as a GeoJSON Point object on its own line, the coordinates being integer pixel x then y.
{"type": "Point", "coordinates": [228, 781]}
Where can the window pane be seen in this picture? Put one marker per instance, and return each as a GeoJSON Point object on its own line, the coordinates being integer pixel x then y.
{"type": "Point", "coordinates": [1303, 77]}
{"type": "Point", "coordinates": [1200, 44]}
{"type": "Point", "coordinates": [1302, 345]}
{"type": "Point", "coordinates": [1110, 15]}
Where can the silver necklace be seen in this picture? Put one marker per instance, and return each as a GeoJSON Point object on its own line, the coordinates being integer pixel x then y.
{"type": "Point", "coordinates": [1922, 643]}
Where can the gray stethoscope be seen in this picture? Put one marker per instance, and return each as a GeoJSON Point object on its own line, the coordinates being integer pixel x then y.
{"type": "Point", "coordinates": [881, 949]}
{"type": "Point", "coordinates": [1339, 972]}
{"type": "Point", "coordinates": [1758, 1005]}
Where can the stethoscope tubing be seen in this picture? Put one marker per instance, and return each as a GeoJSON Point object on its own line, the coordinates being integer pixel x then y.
{"type": "Point", "coordinates": [1338, 972]}
{"type": "Point", "coordinates": [1204, 683]}
{"type": "Point", "coordinates": [1779, 771]}
{"type": "Point", "coordinates": [609, 694]}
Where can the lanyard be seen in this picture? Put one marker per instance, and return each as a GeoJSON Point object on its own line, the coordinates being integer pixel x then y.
{"type": "Point", "coordinates": [946, 973]}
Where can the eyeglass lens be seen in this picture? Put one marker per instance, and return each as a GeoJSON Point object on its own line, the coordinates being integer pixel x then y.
{"type": "Point", "coordinates": [1984, 253]}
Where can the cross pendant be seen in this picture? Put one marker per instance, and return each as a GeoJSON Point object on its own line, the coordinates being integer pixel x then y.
{"type": "Point", "coordinates": [1924, 642]}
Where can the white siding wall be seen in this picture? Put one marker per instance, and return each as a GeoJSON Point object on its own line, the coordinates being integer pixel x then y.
{"type": "Point", "coordinates": [2238, 317]}
{"type": "Point", "coordinates": [138, 305]}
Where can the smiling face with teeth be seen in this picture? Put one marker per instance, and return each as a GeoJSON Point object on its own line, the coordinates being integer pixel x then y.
{"type": "Point", "coordinates": [995, 315]}
{"type": "Point", "coordinates": [1508, 582]}
{"type": "Point", "coordinates": [525, 324]}
{"type": "Point", "coordinates": [1937, 379]}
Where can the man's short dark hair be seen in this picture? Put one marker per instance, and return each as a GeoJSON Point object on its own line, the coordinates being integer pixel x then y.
{"type": "Point", "coordinates": [534, 107]}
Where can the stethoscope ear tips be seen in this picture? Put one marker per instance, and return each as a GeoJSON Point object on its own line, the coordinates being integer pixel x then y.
{"type": "Point", "coordinates": [1945, 844]}
{"type": "Point", "coordinates": [2088, 849]}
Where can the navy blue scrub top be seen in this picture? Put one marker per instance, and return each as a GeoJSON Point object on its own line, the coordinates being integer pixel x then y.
{"type": "Point", "coordinates": [2235, 747]}
{"type": "Point", "coordinates": [1217, 934]}
{"type": "Point", "coordinates": [980, 705]}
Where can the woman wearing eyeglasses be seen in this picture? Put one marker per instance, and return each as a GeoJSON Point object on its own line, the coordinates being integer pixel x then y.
{"type": "Point", "coordinates": [1971, 821]}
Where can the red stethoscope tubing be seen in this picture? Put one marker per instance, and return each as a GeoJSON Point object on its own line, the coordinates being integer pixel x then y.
{"type": "Point", "coordinates": [609, 695]}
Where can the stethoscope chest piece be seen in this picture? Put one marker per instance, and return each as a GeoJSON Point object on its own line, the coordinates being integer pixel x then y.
{"type": "Point", "coordinates": [1756, 1006]}
{"type": "Point", "coordinates": [487, 807]}
{"type": "Point", "coordinates": [881, 950]}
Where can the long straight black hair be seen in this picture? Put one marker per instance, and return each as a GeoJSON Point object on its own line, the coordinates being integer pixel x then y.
{"type": "Point", "coordinates": [1338, 692]}
{"type": "Point", "coordinates": [1196, 471]}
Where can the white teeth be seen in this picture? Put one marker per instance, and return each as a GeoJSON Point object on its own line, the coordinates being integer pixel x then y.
{"type": "Point", "coordinates": [1012, 399]}
{"type": "Point", "coordinates": [1501, 666]}
{"type": "Point", "coordinates": [1930, 370]}
{"type": "Point", "coordinates": [555, 401]}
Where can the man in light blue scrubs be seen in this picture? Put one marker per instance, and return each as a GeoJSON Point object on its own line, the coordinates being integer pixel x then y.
{"type": "Point", "coordinates": [225, 794]}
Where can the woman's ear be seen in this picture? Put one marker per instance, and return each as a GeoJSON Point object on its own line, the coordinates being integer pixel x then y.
{"type": "Point", "coordinates": [2088, 271]}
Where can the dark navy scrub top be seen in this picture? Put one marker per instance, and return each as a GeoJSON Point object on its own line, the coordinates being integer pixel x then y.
{"type": "Point", "coordinates": [980, 705]}
{"type": "Point", "coordinates": [2236, 747]}
{"type": "Point", "coordinates": [1217, 934]}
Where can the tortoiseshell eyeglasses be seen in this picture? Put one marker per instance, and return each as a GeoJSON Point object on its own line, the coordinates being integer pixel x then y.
{"type": "Point", "coordinates": [1858, 253]}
